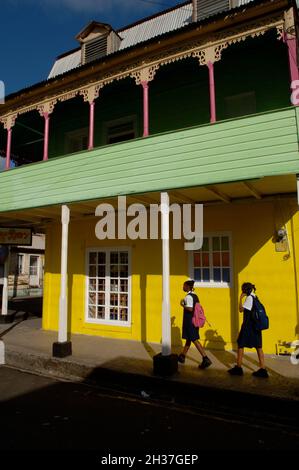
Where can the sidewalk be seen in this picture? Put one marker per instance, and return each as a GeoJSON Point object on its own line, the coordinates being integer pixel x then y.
{"type": "Point", "coordinates": [28, 347]}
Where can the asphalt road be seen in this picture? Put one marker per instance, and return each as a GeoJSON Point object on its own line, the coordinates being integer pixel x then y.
{"type": "Point", "coordinates": [43, 414]}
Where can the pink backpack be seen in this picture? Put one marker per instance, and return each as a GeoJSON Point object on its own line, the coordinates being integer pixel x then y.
{"type": "Point", "coordinates": [199, 317]}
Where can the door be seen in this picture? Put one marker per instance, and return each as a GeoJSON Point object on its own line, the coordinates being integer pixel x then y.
{"type": "Point", "coordinates": [34, 271]}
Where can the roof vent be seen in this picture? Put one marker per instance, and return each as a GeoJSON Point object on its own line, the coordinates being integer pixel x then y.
{"type": "Point", "coordinates": [94, 49]}
{"type": "Point", "coordinates": [97, 40]}
{"type": "Point", "coordinates": [204, 8]}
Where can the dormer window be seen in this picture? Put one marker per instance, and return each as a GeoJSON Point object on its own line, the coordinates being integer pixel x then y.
{"type": "Point", "coordinates": [97, 40]}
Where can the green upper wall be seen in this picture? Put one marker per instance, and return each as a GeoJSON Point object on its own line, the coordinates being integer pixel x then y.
{"type": "Point", "coordinates": [251, 77]}
{"type": "Point", "coordinates": [239, 149]}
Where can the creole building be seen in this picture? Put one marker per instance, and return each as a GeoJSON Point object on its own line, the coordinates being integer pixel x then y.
{"type": "Point", "coordinates": [192, 105]}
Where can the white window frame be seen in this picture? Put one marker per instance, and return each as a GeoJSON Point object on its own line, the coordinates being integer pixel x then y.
{"type": "Point", "coordinates": [106, 321]}
{"type": "Point", "coordinates": [34, 266]}
{"type": "Point", "coordinates": [119, 122]}
{"type": "Point", "coordinates": [226, 285]}
{"type": "Point", "coordinates": [82, 132]}
{"type": "Point", "coordinates": [21, 256]}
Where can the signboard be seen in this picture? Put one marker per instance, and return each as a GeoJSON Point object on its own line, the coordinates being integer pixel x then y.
{"type": "Point", "coordinates": [15, 236]}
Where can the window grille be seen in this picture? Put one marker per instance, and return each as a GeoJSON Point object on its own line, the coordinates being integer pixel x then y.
{"type": "Point", "coordinates": [211, 266]}
{"type": "Point", "coordinates": [108, 286]}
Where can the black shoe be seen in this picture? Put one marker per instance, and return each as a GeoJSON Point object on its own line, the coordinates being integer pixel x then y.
{"type": "Point", "coordinates": [261, 373]}
{"type": "Point", "coordinates": [181, 358]}
{"type": "Point", "coordinates": [236, 371]}
{"type": "Point", "coordinates": [206, 362]}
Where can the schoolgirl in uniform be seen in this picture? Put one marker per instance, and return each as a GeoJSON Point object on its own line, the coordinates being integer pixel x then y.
{"type": "Point", "coordinates": [249, 336]}
{"type": "Point", "coordinates": [190, 332]}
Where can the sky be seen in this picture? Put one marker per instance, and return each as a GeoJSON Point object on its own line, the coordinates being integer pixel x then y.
{"type": "Point", "coordinates": [35, 32]}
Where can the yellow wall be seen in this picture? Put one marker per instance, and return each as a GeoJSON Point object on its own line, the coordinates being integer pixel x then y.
{"type": "Point", "coordinates": [252, 226]}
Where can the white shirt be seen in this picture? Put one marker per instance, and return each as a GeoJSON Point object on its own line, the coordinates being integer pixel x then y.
{"type": "Point", "coordinates": [188, 300]}
{"type": "Point", "coordinates": [248, 304]}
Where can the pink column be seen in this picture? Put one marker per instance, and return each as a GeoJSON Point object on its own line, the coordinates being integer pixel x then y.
{"type": "Point", "coordinates": [46, 136]}
{"type": "Point", "coordinates": [292, 50]}
{"type": "Point", "coordinates": [145, 109]}
{"type": "Point", "coordinates": [212, 92]}
{"type": "Point", "coordinates": [91, 126]}
{"type": "Point", "coordinates": [8, 149]}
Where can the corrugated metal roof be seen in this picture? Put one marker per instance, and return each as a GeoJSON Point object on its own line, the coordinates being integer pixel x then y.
{"type": "Point", "coordinates": [66, 63]}
{"type": "Point", "coordinates": [138, 33]}
{"type": "Point", "coordinates": [156, 26]}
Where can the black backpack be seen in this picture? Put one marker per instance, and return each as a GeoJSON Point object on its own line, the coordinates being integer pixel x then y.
{"type": "Point", "coordinates": [260, 317]}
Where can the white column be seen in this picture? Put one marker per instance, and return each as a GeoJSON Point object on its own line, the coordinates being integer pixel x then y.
{"type": "Point", "coordinates": [62, 332]}
{"type": "Point", "coordinates": [166, 321]}
{"type": "Point", "coordinates": [4, 310]}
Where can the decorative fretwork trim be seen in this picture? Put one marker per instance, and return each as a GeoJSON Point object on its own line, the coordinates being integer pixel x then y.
{"type": "Point", "coordinates": [205, 51]}
{"type": "Point", "coordinates": [47, 107]}
{"type": "Point", "coordinates": [91, 93]}
{"type": "Point", "coordinates": [9, 120]}
{"type": "Point", "coordinates": [146, 74]}
{"type": "Point", "coordinates": [289, 22]}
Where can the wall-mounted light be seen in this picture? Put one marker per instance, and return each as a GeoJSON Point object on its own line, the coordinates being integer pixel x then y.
{"type": "Point", "coordinates": [281, 235]}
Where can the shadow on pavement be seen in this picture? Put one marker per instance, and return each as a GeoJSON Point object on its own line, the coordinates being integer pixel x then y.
{"type": "Point", "coordinates": [107, 412]}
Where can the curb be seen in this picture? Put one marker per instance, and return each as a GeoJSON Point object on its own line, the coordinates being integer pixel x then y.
{"type": "Point", "coordinates": [248, 405]}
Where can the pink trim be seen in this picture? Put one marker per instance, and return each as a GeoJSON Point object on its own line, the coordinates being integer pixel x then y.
{"type": "Point", "coordinates": [91, 126]}
{"type": "Point", "coordinates": [145, 109]}
{"type": "Point", "coordinates": [46, 136]}
{"type": "Point", "coordinates": [292, 50]}
{"type": "Point", "coordinates": [8, 149]}
{"type": "Point", "coordinates": [212, 92]}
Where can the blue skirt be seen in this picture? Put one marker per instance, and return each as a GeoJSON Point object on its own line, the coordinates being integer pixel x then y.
{"type": "Point", "coordinates": [249, 336]}
{"type": "Point", "coordinates": [190, 332]}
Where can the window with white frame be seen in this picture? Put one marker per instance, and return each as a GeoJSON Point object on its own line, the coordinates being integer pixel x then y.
{"type": "Point", "coordinates": [21, 266]}
{"type": "Point", "coordinates": [211, 266]}
{"type": "Point", "coordinates": [108, 288]}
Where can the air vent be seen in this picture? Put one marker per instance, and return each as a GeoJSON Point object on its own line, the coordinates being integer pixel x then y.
{"type": "Point", "coordinates": [95, 49]}
{"type": "Point", "coordinates": [205, 8]}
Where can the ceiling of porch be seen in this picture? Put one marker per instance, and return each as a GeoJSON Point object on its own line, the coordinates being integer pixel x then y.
{"type": "Point", "coordinates": [228, 193]}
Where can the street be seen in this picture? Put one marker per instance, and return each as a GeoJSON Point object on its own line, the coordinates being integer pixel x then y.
{"type": "Point", "coordinates": [44, 414]}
